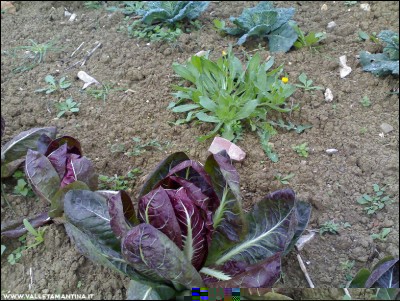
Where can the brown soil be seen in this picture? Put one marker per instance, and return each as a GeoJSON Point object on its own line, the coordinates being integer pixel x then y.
{"type": "Point", "coordinates": [331, 183]}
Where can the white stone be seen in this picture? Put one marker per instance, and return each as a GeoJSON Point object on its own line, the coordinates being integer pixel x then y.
{"type": "Point", "coordinates": [234, 151]}
{"type": "Point", "coordinates": [87, 79]}
{"type": "Point", "coordinates": [331, 151]}
{"type": "Point", "coordinates": [365, 6]}
{"type": "Point", "coordinates": [324, 7]}
{"type": "Point", "coordinates": [386, 128]}
{"type": "Point", "coordinates": [331, 25]}
{"type": "Point", "coordinates": [72, 17]}
{"type": "Point", "coordinates": [344, 69]}
{"type": "Point", "coordinates": [328, 95]}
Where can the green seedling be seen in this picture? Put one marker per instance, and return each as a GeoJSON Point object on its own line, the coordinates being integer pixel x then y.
{"type": "Point", "coordinates": [306, 84]}
{"type": "Point", "coordinates": [301, 149]}
{"type": "Point", "coordinates": [68, 106]}
{"type": "Point", "coordinates": [34, 54]}
{"type": "Point", "coordinates": [347, 266]}
{"type": "Point", "coordinates": [308, 40]}
{"type": "Point", "coordinates": [128, 8]}
{"type": "Point", "coordinates": [140, 147]}
{"type": "Point", "coordinates": [372, 37]}
{"type": "Point", "coordinates": [291, 126]}
{"type": "Point", "coordinates": [284, 179]}
{"type": "Point", "coordinates": [377, 202]}
{"type": "Point", "coordinates": [103, 92]}
{"type": "Point", "coordinates": [119, 182]}
{"type": "Point", "coordinates": [330, 227]}
{"type": "Point", "coordinates": [365, 102]}
{"type": "Point", "coordinates": [350, 3]}
{"type": "Point", "coordinates": [155, 33]}
{"type": "Point", "coordinates": [16, 255]}
{"type": "Point", "coordinates": [383, 235]}
{"type": "Point", "coordinates": [93, 4]}
{"type": "Point", "coordinates": [22, 188]}
{"type": "Point", "coordinates": [38, 234]}
{"type": "Point", "coordinates": [53, 86]}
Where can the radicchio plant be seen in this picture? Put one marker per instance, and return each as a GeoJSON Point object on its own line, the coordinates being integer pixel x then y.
{"type": "Point", "coordinates": [189, 229]}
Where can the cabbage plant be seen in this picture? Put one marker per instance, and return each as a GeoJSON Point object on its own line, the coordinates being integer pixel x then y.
{"type": "Point", "coordinates": [171, 11]}
{"type": "Point", "coordinates": [188, 230]}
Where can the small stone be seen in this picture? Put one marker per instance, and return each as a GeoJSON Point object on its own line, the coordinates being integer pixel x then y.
{"type": "Point", "coordinates": [202, 53]}
{"type": "Point", "coordinates": [331, 25]}
{"type": "Point", "coordinates": [328, 95]}
{"type": "Point", "coordinates": [365, 7]}
{"type": "Point", "coordinates": [324, 7]}
{"type": "Point", "coordinates": [344, 69]}
{"type": "Point", "coordinates": [234, 151]}
{"type": "Point", "coordinates": [331, 151]}
{"type": "Point", "coordinates": [386, 128]}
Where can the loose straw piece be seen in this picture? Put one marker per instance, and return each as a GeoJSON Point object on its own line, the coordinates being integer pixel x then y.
{"type": "Point", "coordinates": [303, 268]}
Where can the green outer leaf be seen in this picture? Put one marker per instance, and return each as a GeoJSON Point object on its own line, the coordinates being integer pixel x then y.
{"type": "Point", "coordinates": [141, 291]}
{"type": "Point", "coordinates": [88, 211]}
{"type": "Point", "coordinates": [185, 108]}
{"type": "Point", "coordinates": [57, 202]}
{"type": "Point", "coordinates": [42, 176]}
{"type": "Point", "coordinates": [208, 104]}
{"type": "Point", "coordinates": [360, 278]}
{"type": "Point", "coordinates": [161, 171]}
{"type": "Point", "coordinates": [248, 108]}
{"type": "Point", "coordinates": [207, 118]}
{"type": "Point", "coordinates": [101, 254]}
{"type": "Point", "coordinates": [282, 39]}
{"type": "Point", "coordinates": [7, 170]}
{"type": "Point", "coordinates": [184, 72]}
{"type": "Point", "coordinates": [19, 145]}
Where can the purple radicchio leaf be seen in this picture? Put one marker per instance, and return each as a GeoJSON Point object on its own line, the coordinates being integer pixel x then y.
{"type": "Point", "coordinates": [271, 226]}
{"type": "Point", "coordinates": [41, 175]}
{"type": "Point", "coordinates": [195, 224]}
{"type": "Point", "coordinates": [73, 145]}
{"type": "Point", "coordinates": [385, 274]}
{"type": "Point", "coordinates": [161, 171]}
{"type": "Point", "coordinates": [43, 143]}
{"type": "Point", "coordinates": [79, 169]}
{"type": "Point", "coordinates": [18, 228]}
{"type": "Point", "coordinates": [194, 173]}
{"type": "Point", "coordinates": [122, 213]}
{"type": "Point", "coordinates": [155, 208]}
{"type": "Point", "coordinates": [229, 222]}
{"type": "Point", "coordinates": [153, 254]}
{"type": "Point", "coordinates": [58, 159]}
{"type": "Point", "coordinates": [262, 274]}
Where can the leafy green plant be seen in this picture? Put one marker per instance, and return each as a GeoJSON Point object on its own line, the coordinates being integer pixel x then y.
{"type": "Point", "coordinates": [68, 106]}
{"type": "Point", "coordinates": [228, 95]}
{"type": "Point", "coordinates": [189, 219]}
{"type": "Point", "coordinates": [301, 149]}
{"type": "Point", "coordinates": [306, 83]}
{"type": "Point", "coordinates": [103, 92]}
{"type": "Point", "coordinates": [154, 33]}
{"type": "Point", "coordinates": [377, 202]}
{"type": "Point", "coordinates": [284, 179]}
{"type": "Point", "coordinates": [347, 266]}
{"type": "Point", "coordinates": [171, 11]}
{"type": "Point", "coordinates": [330, 227]}
{"type": "Point", "coordinates": [298, 128]}
{"type": "Point", "coordinates": [22, 188]}
{"type": "Point", "coordinates": [119, 182]}
{"type": "Point", "coordinates": [33, 54]}
{"type": "Point", "coordinates": [140, 147]}
{"type": "Point", "coordinates": [383, 235]}
{"type": "Point", "coordinates": [383, 63]}
{"type": "Point", "coordinates": [15, 255]}
{"type": "Point", "coordinates": [308, 40]}
{"type": "Point", "coordinates": [365, 102]}
{"type": "Point", "coordinates": [53, 86]}
{"type": "Point", "coordinates": [264, 21]}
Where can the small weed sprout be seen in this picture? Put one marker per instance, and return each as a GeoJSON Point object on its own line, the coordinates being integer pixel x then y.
{"type": "Point", "coordinates": [383, 235]}
{"type": "Point", "coordinates": [365, 102]}
{"type": "Point", "coordinates": [68, 106]}
{"type": "Point", "coordinates": [306, 83]}
{"type": "Point", "coordinates": [284, 179]}
{"type": "Point", "coordinates": [103, 92]}
{"type": "Point", "coordinates": [119, 182]}
{"type": "Point", "coordinates": [308, 40]}
{"type": "Point", "coordinates": [38, 234]}
{"type": "Point", "coordinates": [301, 149]}
{"type": "Point", "coordinates": [140, 147]}
{"type": "Point", "coordinates": [53, 86]}
{"type": "Point", "coordinates": [22, 188]}
{"type": "Point", "coordinates": [330, 227]}
{"type": "Point", "coordinates": [377, 202]}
